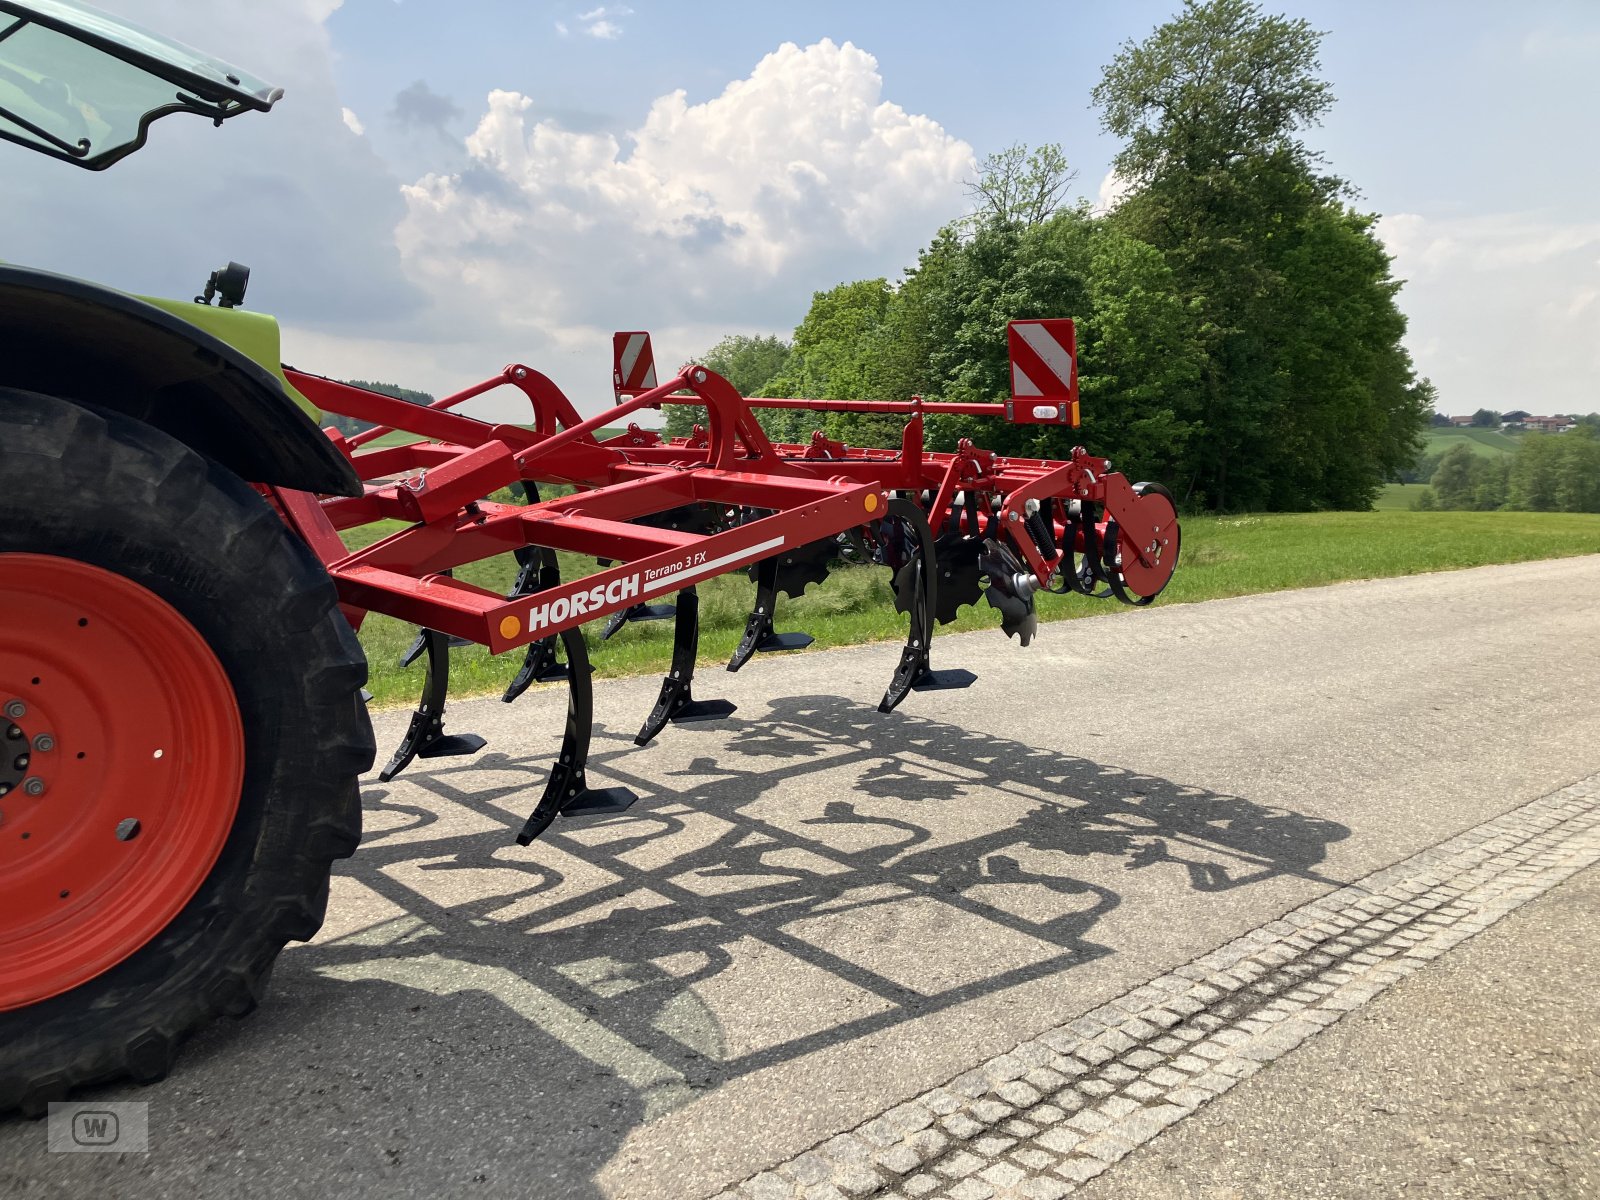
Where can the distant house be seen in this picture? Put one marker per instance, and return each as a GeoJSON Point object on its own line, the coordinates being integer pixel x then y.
{"type": "Point", "coordinates": [1511, 418]}
{"type": "Point", "coordinates": [1461, 422]}
{"type": "Point", "coordinates": [1556, 424]}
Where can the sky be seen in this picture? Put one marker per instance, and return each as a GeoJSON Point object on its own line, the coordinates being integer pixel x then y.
{"type": "Point", "coordinates": [448, 186]}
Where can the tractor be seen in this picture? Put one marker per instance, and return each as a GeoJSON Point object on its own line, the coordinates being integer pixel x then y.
{"type": "Point", "coordinates": [183, 725]}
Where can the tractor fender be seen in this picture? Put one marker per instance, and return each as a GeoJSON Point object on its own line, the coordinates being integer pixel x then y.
{"type": "Point", "coordinates": [94, 345]}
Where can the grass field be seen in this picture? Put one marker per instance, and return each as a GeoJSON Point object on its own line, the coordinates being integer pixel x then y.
{"type": "Point", "coordinates": [1221, 556]}
{"type": "Point", "coordinates": [1488, 442]}
{"type": "Point", "coordinates": [1398, 496]}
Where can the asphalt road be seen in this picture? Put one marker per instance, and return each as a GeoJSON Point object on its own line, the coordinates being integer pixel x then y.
{"type": "Point", "coordinates": [816, 911]}
{"type": "Point", "coordinates": [1476, 1079]}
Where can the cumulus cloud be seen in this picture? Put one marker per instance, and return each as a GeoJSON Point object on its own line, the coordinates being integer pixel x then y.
{"type": "Point", "coordinates": [709, 217]}
{"type": "Point", "coordinates": [417, 106]}
{"type": "Point", "coordinates": [1113, 189]}
{"type": "Point", "coordinates": [1503, 308]}
{"type": "Point", "coordinates": [706, 219]}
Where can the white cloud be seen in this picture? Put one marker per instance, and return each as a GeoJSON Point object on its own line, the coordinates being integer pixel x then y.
{"type": "Point", "coordinates": [352, 122]}
{"type": "Point", "coordinates": [1113, 190]}
{"type": "Point", "coordinates": [1502, 308]}
{"type": "Point", "coordinates": [601, 22]}
{"type": "Point", "coordinates": [716, 216]}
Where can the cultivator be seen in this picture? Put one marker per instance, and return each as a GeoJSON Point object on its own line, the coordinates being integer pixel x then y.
{"type": "Point", "coordinates": [662, 516]}
{"type": "Point", "coordinates": [182, 735]}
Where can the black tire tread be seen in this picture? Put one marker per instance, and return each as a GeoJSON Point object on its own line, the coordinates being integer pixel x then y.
{"type": "Point", "coordinates": [228, 954]}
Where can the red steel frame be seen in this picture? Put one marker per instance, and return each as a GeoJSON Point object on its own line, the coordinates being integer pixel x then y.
{"type": "Point", "coordinates": [814, 491]}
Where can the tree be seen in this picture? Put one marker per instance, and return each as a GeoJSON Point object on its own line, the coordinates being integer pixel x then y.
{"type": "Point", "coordinates": [1438, 420]}
{"type": "Point", "coordinates": [1215, 86]}
{"type": "Point", "coordinates": [1309, 398]}
{"type": "Point", "coordinates": [748, 362]}
{"type": "Point", "coordinates": [1486, 419]}
{"type": "Point", "coordinates": [1556, 472]}
{"type": "Point", "coordinates": [1456, 480]}
{"type": "Point", "coordinates": [350, 426]}
{"type": "Point", "coordinates": [834, 355]}
{"type": "Point", "coordinates": [1020, 187]}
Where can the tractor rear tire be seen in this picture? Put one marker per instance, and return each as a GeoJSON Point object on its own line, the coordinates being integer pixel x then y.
{"type": "Point", "coordinates": [184, 572]}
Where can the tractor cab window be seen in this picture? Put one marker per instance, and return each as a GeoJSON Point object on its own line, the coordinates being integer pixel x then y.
{"type": "Point", "coordinates": [82, 86]}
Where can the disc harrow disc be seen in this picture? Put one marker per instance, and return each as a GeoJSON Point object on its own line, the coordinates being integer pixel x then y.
{"type": "Point", "coordinates": [1019, 618]}
{"type": "Point", "coordinates": [802, 566]}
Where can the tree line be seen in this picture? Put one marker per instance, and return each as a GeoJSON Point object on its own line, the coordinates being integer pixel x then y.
{"type": "Point", "coordinates": [1547, 472]}
{"type": "Point", "coordinates": [1238, 331]}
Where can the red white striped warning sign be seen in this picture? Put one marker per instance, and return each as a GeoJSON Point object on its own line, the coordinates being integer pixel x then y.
{"type": "Point", "coordinates": [1044, 371]}
{"type": "Point", "coordinates": [633, 363]}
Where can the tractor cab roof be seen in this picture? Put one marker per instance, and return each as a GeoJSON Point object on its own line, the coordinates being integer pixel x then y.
{"type": "Point", "coordinates": [83, 86]}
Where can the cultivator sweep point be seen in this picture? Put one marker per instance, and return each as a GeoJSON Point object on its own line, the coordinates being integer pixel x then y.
{"type": "Point", "coordinates": [662, 516]}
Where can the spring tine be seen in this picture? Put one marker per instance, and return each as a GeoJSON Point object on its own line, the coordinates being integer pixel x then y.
{"type": "Point", "coordinates": [636, 612]}
{"type": "Point", "coordinates": [921, 590]}
{"type": "Point", "coordinates": [759, 624]}
{"type": "Point", "coordinates": [567, 791]}
{"type": "Point", "coordinates": [758, 632]}
{"type": "Point", "coordinates": [426, 738]}
{"type": "Point", "coordinates": [676, 702]}
{"type": "Point", "coordinates": [539, 665]}
{"type": "Point", "coordinates": [414, 651]}
{"type": "Point", "coordinates": [540, 570]}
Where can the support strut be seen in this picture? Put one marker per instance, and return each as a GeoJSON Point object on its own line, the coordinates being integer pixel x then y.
{"type": "Point", "coordinates": [758, 633]}
{"type": "Point", "coordinates": [426, 737]}
{"type": "Point", "coordinates": [567, 791]}
{"type": "Point", "coordinates": [676, 703]}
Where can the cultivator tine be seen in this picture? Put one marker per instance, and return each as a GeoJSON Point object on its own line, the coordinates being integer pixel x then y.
{"type": "Point", "coordinates": [538, 570]}
{"type": "Point", "coordinates": [539, 665]}
{"type": "Point", "coordinates": [426, 737]}
{"type": "Point", "coordinates": [916, 593]}
{"type": "Point", "coordinates": [638, 612]}
{"type": "Point", "coordinates": [417, 647]}
{"type": "Point", "coordinates": [758, 632]}
{"type": "Point", "coordinates": [567, 791]}
{"type": "Point", "coordinates": [676, 702]}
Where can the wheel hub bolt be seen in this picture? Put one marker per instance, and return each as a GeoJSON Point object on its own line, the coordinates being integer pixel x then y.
{"type": "Point", "coordinates": [33, 786]}
{"type": "Point", "coordinates": [16, 709]}
{"type": "Point", "coordinates": [44, 743]}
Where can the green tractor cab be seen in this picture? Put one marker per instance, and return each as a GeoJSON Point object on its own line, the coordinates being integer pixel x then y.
{"type": "Point", "coordinates": [181, 721]}
{"type": "Point", "coordinates": [85, 87]}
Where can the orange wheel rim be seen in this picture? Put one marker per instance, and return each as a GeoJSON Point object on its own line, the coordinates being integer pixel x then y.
{"type": "Point", "coordinates": [121, 762]}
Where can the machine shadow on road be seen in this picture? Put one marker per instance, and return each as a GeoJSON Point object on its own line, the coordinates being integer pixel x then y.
{"type": "Point", "coordinates": [826, 873]}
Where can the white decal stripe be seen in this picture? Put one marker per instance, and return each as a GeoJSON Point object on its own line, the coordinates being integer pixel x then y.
{"type": "Point", "coordinates": [662, 582]}
{"type": "Point", "coordinates": [1053, 353]}
{"type": "Point", "coordinates": [630, 356]}
{"type": "Point", "coordinates": [1021, 385]}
